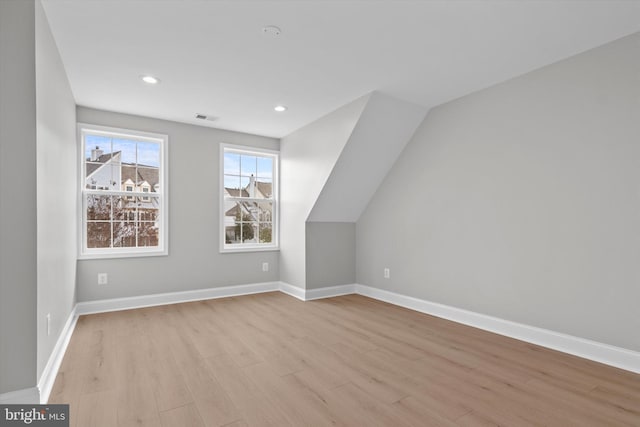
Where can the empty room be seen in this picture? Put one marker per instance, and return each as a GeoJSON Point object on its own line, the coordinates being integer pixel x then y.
{"type": "Point", "coordinates": [310, 213]}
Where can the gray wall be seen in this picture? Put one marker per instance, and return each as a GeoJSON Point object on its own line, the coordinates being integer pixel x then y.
{"type": "Point", "coordinates": [330, 254]}
{"type": "Point", "coordinates": [194, 260]}
{"type": "Point", "coordinates": [307, 158]}
{"type": "Point", "coordinates": [17, 196]}
{"type": "Point", "coordinates": [56, 169]}
{"type": "Point", "coordinates": [522, 201]}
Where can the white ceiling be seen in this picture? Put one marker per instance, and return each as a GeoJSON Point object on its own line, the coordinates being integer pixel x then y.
{"type": "Point", "coordinates": [213, 58]}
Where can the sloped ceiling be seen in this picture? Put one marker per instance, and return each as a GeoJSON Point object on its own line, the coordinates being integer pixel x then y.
{"type": "Point", "coordinates": [384, 128]}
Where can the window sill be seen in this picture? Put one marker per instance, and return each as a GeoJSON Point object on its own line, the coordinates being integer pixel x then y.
{"type": "Point", "coordinates": [123, 254]}
{"type": "Point", "coordinates": [249, 249]}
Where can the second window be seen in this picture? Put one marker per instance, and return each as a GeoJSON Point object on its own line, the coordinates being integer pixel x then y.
{"type": "Point", "coordinates": [249, 199]}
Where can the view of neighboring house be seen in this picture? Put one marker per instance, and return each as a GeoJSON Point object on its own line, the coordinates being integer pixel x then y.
{"type": "Point", "coordinates": [247, 218]}
{"type": "Point", "coordinates": [121, 215]}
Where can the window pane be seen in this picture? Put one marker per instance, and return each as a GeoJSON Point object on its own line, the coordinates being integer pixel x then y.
{"type": "Point", "coordinates": [232, 222]}
{"type": "Point", "coordinates": [97, 146]}
{"type": "Point", "coordinates": [265, 168]}
{"type": "Point", "coordinates": [122, 205]}
{"type": "Point", "coordinates": [230, 232]}
{"type": "Point", "coordinates": [147, 234]}
{"type": "Point", "coordinates": [101, 176]}
{"type": "Point", "coordinates": [124, 234]}
{"type": "Point", "coordinates": [244, 183]}
{"type": "Point", "coordinates": [98, 234]}
{"type": "Point", "coordinates": [250, 211]}
{"type": "Point", "coordinates": [149, 154]}
{"type": "Point", "coordinates": [148, 178]}
{"type": "Point", "coordinates": [232, 182]}
{"type": "Point", "coordinates": [249, 232]}
{"type": "Point", "coordinates": [147, 208]}
{"type": "Point", "coordinates": [98, 208]}
{"type": "Point", "coordinates": [248, 165]}
{"type": "Point", "coordinates": [265, 189]}
{"type": "Point", "coordinates": [264, 211]}
{"type": "Point", "coordinates": [231, 212]}
{"type": "Point", "coordinates": [236, 186]}
{"type": "Point", "coordinates": [232, 164]}
{"type": "Point", "coordinates": [128, 177]}
{"type": "Point", "coordinates": [239, 222]}
{"type": "Point", "coordinates": [265, 232]}
{"type": "Point", "coordinates": [124, 151]}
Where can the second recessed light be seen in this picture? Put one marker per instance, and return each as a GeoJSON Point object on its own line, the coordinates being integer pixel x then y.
{"type": "Point", "coordinates": [280, 108]}
{"type": "Point", "coordinates": [150, 79]}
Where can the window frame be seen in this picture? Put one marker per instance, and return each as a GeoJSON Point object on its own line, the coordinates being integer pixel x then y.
{"type": "Point", "coordinates": [84, 129]}
{"type": "Point", "coordinates": [275, 225]}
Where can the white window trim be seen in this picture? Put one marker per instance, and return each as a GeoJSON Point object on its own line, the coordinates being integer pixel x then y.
{"type": "Point", "coordinates": [163, 241]}
{"type": "Point", "coordinates": [257, 247]}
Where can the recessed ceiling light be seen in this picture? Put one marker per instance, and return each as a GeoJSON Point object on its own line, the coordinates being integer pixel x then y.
{"type": "Point", "coordinates": [280, 108]}
{"type": "Point", "coordinates": [150, 79]}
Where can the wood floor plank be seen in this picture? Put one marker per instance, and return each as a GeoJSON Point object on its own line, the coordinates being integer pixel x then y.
{"type": "Point", "coordinates": [371, 412]}
{"type": "Point", "coordinates": [253, 403]}
{"type": "Point", "coordinates": [183, 416]}
{"type": "Point", "coordinates": [98, 409]}
{"type": "Point", "coordinates": [169, 387]}
{"type": "Point", "coordinates": [239, 423]}
{"type": "Point", "coordinates": [380, 384]}
{"type": "Point", "coordinates": [284, 397]}
{"type": "Point", "coordinates": [136, 404]}
{"type": "Point", "coordinates": [212, 401]}
{"type": "Point", "coordinates": [324, 401]}
{"type": "Point", "coordinates": [414, 413]}
{"type": "Point", "coordinates": [272, 360]}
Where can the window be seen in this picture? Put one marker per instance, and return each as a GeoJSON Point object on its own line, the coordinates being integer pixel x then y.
{"type": "Point", "coordinates": [249, 197]}
{"type": "Point", "coordinates": [115, 165]}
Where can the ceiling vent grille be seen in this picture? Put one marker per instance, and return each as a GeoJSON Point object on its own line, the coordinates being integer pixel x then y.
{"type": "Point", "coordinates": [205, 117]}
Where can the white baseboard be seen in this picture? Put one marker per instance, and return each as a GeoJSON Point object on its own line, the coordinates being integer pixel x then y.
{"type": "Point", "coordinates": [592, 350]}
{"type": "Point", "coordinates": [26, 396]}
{"type": "Point", "coordinates": [311, 294]}
{"type": "Point", "coordinates": [291, 290]}
{"type": "Point", "coordinates": [599, 352]}
{"type": "Point", "coordinates": [330, 291]}
{"type": "Point", "coordinates": [127, 303]}
{"type": "Point", "coordinates": [48, 377]}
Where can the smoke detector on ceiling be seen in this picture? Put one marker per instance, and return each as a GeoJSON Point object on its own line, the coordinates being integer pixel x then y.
{"type": "Point", "coordinates": [205, 117]}
{"type": "Point", "coordinates": [271, 30]}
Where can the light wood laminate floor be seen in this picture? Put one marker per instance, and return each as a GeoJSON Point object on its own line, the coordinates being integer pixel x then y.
{"type": "Point", "coordinates": [270, 359]}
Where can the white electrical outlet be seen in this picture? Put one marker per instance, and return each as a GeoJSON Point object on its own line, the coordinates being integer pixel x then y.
{"type": "Point", "coordinates": [387, 273]}
{"type": "Point", "coordinates": [48, 323]}
{"type": "Point", "coordinates": [265, 266]}
{"type": "Point", "coordinates": [103, 279]}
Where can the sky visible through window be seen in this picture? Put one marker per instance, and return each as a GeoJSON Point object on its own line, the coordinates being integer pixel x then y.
{"type": "Point", "coordinates": [238, 168]}
{"type": "Point", "coordinates": [142, 153]}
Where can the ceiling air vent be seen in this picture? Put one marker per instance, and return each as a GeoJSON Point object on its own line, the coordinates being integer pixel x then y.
{"type": "Point", "coordinates": [205, 117]}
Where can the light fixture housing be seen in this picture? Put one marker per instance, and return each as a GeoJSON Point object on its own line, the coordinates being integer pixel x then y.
{"type": "Point", "coordinates": [280, 108]}
{"type": "Point", "coordinates": [149, 79]}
